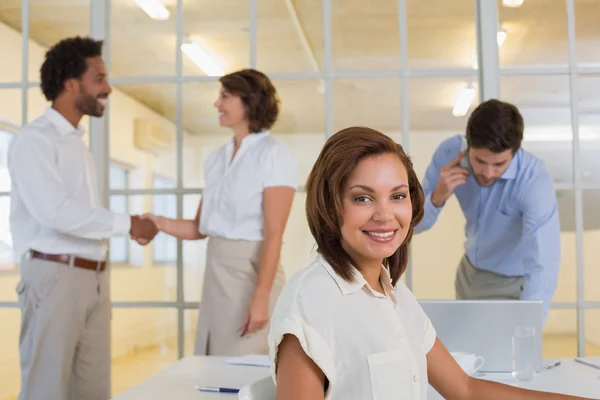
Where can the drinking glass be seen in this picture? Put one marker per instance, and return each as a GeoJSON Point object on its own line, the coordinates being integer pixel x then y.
{"type": "Point", "coordinates": [523, 350]}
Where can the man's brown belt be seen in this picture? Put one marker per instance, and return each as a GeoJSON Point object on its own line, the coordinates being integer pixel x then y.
{"type": "Point", "coordinates": [70, 260]}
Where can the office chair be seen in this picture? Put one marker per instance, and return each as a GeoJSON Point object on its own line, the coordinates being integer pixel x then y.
{"type": "Point", "coordinates": [263, 389]}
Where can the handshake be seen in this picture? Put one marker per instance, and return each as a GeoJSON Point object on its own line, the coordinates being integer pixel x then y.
{"type": "Point", "coordinates": [143, 228]}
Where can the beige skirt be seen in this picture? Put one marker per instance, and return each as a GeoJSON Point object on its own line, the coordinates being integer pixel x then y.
{"type": "Point", "coordinates": [229, 282]}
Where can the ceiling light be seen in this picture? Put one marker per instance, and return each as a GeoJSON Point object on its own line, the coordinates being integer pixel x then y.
{"type": "Point", "coordinates": [201, 58]}
{"type": "Point", "coordinates": [154, 9]}
{"type": "Point", "coordinates": [463, 101]}
{"type": "Point", "coordinates": [512, 3]}
{"type": "Point", "coordinates": [501, 37]}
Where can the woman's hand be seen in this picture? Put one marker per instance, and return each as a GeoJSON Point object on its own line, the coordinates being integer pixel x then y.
{"type": "Point", "coordinates": [157, 219]}
{"type": "Point", "coordinates": [257, 315]}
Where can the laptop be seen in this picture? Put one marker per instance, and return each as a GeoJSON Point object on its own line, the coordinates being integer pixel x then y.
{"type": "Point", "coordinates": [485, 327]}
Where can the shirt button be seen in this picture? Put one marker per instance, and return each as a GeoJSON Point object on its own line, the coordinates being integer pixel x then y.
{"type": "Point", "coordinates": [415, 378]}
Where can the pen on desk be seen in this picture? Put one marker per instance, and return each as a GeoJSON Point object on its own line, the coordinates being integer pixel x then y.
{"type": "Point", "coordinates": [216, 389]}
{"type": "Point", "coordinates": [550, 366]}
{"type": "Point", "coordinates": [589, 364]}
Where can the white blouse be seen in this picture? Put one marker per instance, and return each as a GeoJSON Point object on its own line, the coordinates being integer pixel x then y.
{"type": "Point", "coordinates": [232, 198]}
{"type": "Point", "coordinates": [368, 345]}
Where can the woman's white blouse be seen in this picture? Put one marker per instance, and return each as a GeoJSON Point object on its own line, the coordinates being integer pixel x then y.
{"type": "Point", "coordinates": [232, 198]}
{"type": "Point", "coordinates": [368, 345]}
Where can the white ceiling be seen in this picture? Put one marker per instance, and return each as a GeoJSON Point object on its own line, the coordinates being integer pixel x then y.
{"type": "Point", "coordinates": [441, 34]}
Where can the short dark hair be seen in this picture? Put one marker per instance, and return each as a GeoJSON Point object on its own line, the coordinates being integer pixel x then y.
{"type": "Point", "coordinates": [325, 190]}
{"type": "Point", "coordinates": [258, 95]}
{"type": "Point", "coordinates": [495, 125]}
{"type": "Point", "coordinates": [66, 60]}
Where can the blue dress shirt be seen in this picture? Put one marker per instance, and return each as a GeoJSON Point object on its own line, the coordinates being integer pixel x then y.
{"type": "Point", "coordinates": [512, 226]}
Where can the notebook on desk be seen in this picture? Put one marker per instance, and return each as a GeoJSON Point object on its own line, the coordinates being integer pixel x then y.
{"type": "Point", "coordinates": [485, 327]}
{"type": "Point", "coordinates": [253, 360]}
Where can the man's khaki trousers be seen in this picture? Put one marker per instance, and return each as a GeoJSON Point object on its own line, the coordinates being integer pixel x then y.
{"type": "Point", "coordinates": [65, 332]}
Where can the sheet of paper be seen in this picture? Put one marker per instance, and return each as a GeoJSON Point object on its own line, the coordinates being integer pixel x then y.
{"type": "Point", "coordinates": [256, 360]}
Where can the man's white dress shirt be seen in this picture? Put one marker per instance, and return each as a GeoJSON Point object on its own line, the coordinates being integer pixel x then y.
{"type": "Point", "coordinates": [55, 206]}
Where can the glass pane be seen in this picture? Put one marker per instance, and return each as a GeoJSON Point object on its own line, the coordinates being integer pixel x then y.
{"type": "Point", "coordinates": [217, 40]}
{"type": "Point", "coordinates": [589, 148]}
{"type": "Point", "coordinates": [587, 32]}
{"type": "Point", "coordinates": [591, 239]}
{"type": "Point", "coordinates": [441, 34]}
{"type": "Point", "coordinates": [149, 274]}
{"type": "Point", "coordinates": [559, 336]}
{"type": "Point", "coordinates": [432, 121]}
{"type": "Point", "coordinates": [10, 112]}
{"type": "Point", "coordinates": [592, 333]}
{"type": "Point", "coordinates": [372, 102]}
{"type": "Point", "coordinates": [144, 342]}
{"type": "Point", "coordinates": [434, 272]}
{"type": "Point", "coordinates": [118, 177]}
{"type": "Point", "coordinates": [194, 254]}
{"type": "Point", "coordinates": [9, 348]}
{"type": "Point", "coordinates": [289, 36]}
{"type": "Point", "coordinates": [544, 102]}
{"type": "Point", "coordinates": [7, 256]}
{"type": "Point", "coordinates": [143, 39]}
{"type": "Point", "coordinates": [301, 122]}
{"type": "Point", "coordinates": [142, 130]}
{"type": "Point", "coordinates": [164, 247]}
{"type": "Point", "coordinates": [10, 45]}
{"type": "Point", "coordinates": [529, 42]}
{"type": "Point", "coordinates": [365, 38]}
{"type": "Point", "coordinates": [37, 104]}
{"type": "Point", "coordinates": [190, 323]}
{"type": "Point", "coordinates": [202, 132]}
{"type": "Point", "coordinates": [50, 22]}
{"type": "Point", "coordinates": [439, 106]}
{"type": "Point", "coordinates": [566, 289]}
{"type": "Point", "coordinates": [299, 247]}
{"type": "Point", "coordinates": [119, 246]}
{"type": "Point", "coordinates": [5, 139]}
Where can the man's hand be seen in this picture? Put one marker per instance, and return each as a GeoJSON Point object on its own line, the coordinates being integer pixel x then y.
{"type": "Point", "coordinates": [451, 176]}
{"type": "Point", "coordinates": [142, 230]}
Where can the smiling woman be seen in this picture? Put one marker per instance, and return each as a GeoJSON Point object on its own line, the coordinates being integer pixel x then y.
{"type": "Point", "coordinates": [345, 327]}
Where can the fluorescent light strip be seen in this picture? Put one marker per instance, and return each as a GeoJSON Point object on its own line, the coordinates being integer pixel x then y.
{"type": "Point", "coordinates": [512, 3]}
{"type": "Point", "coordinates": [199, 57]}
{"type": "Point", "coordinates": [154, 9]}
{"type": "Point", "coordinates": [463, 101]}
{"type": "Point", "coordinates": [501, 37]}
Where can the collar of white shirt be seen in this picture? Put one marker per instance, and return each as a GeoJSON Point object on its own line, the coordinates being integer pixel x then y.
{"type": "Point", "coordinates": [249, 139]}
{"type": "Point", "coordinates": [60, 123]}
{"type": "Point", "coordinates": [360, 282]}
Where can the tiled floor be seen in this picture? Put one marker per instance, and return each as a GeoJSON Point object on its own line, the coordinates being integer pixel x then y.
{"type": "Point", "coordinates": [135, 367]}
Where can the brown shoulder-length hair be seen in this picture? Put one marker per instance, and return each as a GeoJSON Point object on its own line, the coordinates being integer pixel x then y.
{"type": "Point", "coordinates": [258, 95]}
{"type": "Point", "coordinates": [325, 191]}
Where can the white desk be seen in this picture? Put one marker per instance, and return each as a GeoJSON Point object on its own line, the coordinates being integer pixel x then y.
{"type": "Point", "coordinates": [178, 381]}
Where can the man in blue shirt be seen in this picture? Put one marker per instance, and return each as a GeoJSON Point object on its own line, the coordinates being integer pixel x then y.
{"type": "Point", "coordinates": [512, 248]}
